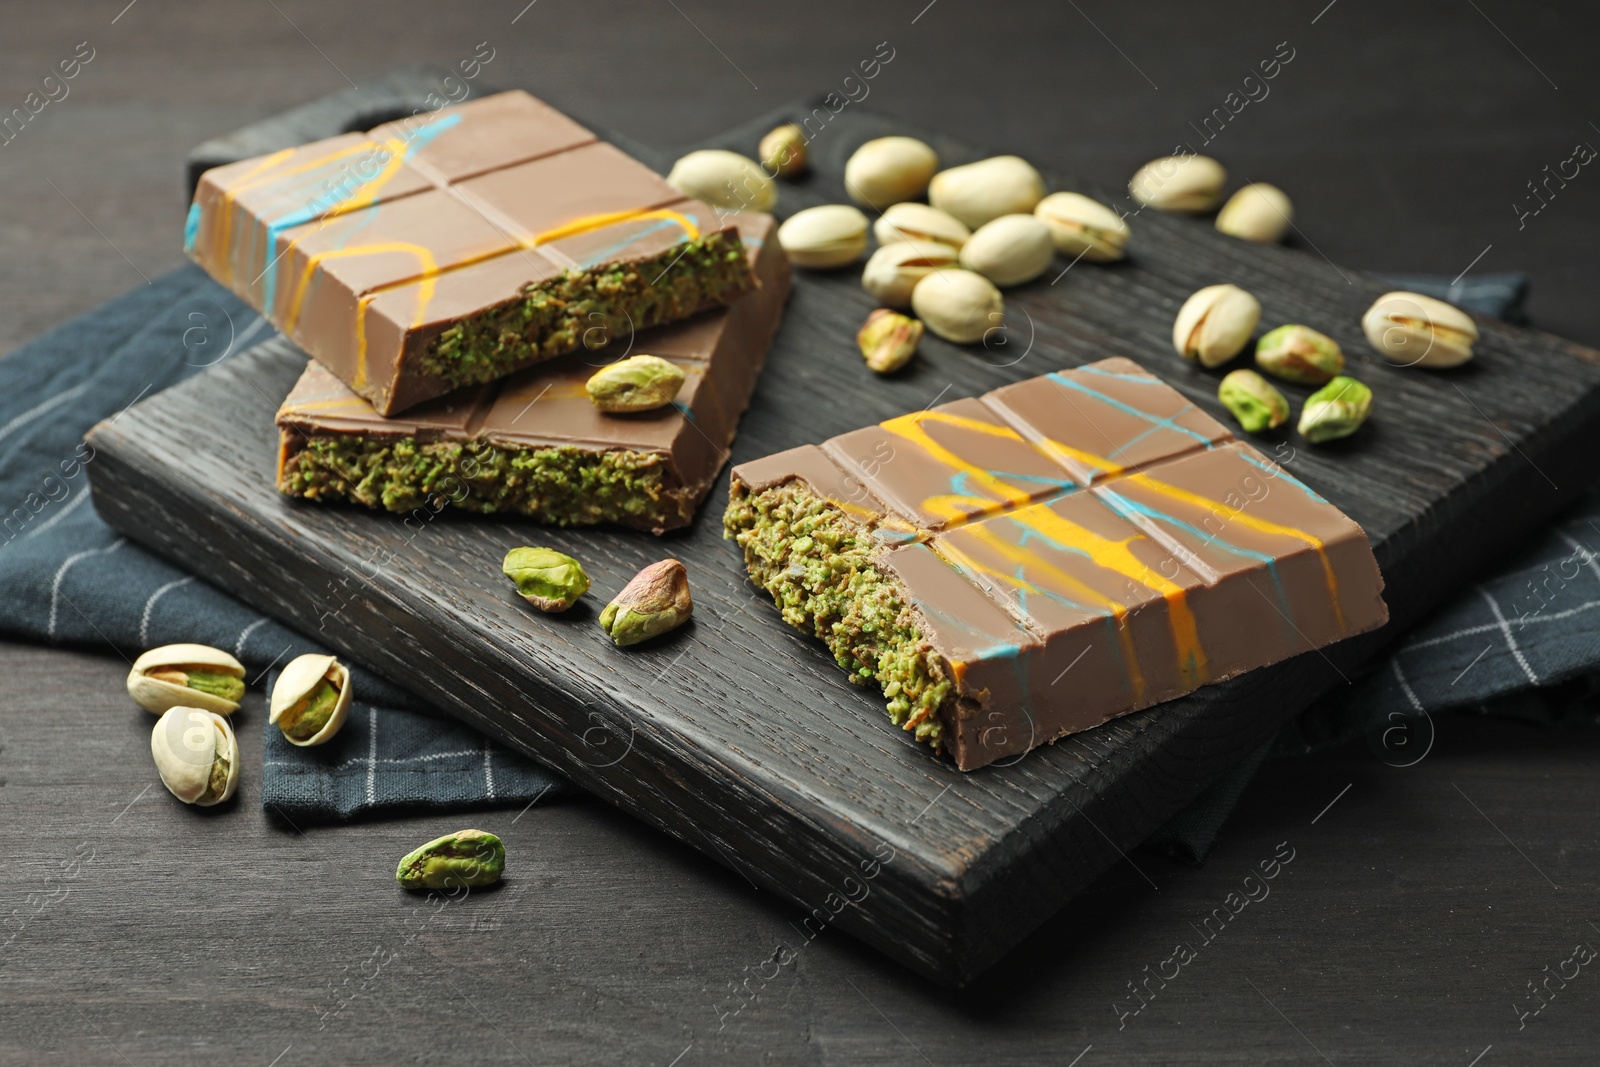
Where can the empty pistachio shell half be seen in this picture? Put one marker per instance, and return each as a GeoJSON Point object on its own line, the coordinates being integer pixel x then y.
{"type": "Point", "coordinates": [1009, 250]}
{"type": "Point", "coordinates": [1185, 184]}
{"type": "Point", "coordinates": [196, 755]}
{"type": "Point", "coordinates": [832, 235]}
{"type": "Point", "coordinates": [1299, 354]}
{"type": "Point", "coordinates": [783, 151]}
{"type": "Point", "coordinates": [958, 305]}
{"type": "Point", "coordinates": [888, 340]}
{"type": "Point", "coordinates": [1214, 324]}
{"type": "Point", "coordinates": [911, 221]}
{"type": "Point", "coordinates": [724, 179]}
{"type": "Point", "coordinates": [193, 676]}
{"type": "Point", "coordinates": [985, 190]}
{"type": "Point", "coordinates": [638, 383]}
{"type": "Point", "coordinates": [1418, 331]}
{"type": "Point", "coordinates": [894, 270]}
{"type": "Point", "coordinates": [1083, 228]}
{"type": "Point", "coordinates": [311, 699]}
{"type": "Point", "coordinates": [465, 858]}
{"type": "Point", "coordinates": [1252, 400]}
{"type": "Point", "coordinates": [888, 170]}
{"type": "Point", "coordinates": [1259, 212]}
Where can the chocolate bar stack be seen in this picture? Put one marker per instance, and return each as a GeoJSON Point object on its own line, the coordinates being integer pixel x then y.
{"type": "Point", "coordinates": [457, 277]}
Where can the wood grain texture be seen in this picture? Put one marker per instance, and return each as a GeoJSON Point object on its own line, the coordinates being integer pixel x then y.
{"type": "Point", "coordinates": [739, 735]}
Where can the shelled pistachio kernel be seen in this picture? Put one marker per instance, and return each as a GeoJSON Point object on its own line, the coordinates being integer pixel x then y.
{"type": "Point", "coordinates": [1188, 185]}
{"type": "Point", "coordinates": [655, 601]}
{"type": "Point", "coordinates": [978, 192]}
{"type": "Point", "coordinates": [724, 179]}
{"type": "Point", "coordinates": [888, 340]}
{"type": "Point", "coordinates": [638, 383]}
{"type": "Point", "coordinates": [1214, 324]}
{"type": "Point", "coordinates": [194, 676]}
{"type": "Point", "coordinates": [958, 305]}
{"type": "Point", "coordinates": [888, 170]}
{"type": "Point", "coordinates": [1418, 331]}
{"type": "Point", "coordinates": [894, 270]}
{"type": "Point", "coordinates": [464, 859]}
{"type": "Point", "coordinates": [1083, 228]}
{"type": "Point", "coordinates": [1252, 400]}
{"type": "Point", "coordinates": [911, 221]}
{"type": "Point", "coordinates": [783, 151]}
{"type": "Point", "coordinates": [1299, 354]}
{"type": "Point", "coordinates": [1258, 212]}
{"type": "Point", "coordinates": [1336, 410]}
{"type": "Point", "coordinates": [196, 755]}
{"type": "Point", "coordinates": [311, 699]}
{"type": "Point", "coordinates": [549, 580]}
{"type": "Point", "coordinates": [823, 237]}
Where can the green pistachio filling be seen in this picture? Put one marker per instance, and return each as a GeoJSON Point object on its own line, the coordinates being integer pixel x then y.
{"type": "Point", "coordinates": [311, 714]}
{"type": "Point", "coordinates": [587, 308]}
{"type": "Point", "coordinates": [563, 486]}
{"type": "Point", "coordinates": [225, 686]}
{"type": "Point", "coordinates": [217, 781]}
{"type": "Point", "coordinates": [817, 565]}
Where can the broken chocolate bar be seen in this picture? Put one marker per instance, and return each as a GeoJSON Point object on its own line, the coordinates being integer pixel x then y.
{"type": "Point", "coordinates": [1024, 565]}
{"type": "Point", "coordinates": [449, 250]}
{"type": "Point", "coordinates": [534, 444]}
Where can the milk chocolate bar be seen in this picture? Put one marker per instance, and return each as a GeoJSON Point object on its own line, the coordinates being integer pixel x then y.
{"type": "Point", "coordinates": [1024, 565]}
{"type": "Point", "coordinates": [451, 249]}
{"type": "Point", "coordinates": [533, 444]}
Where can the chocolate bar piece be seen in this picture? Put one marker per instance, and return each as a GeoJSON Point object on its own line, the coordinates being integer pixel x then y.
{"type": "Point", "coordinates": [449, 250]}
{"type": "Point", "coordinates": [1028, 564]}
{"type": "Point", "coordinates": [534, 444]}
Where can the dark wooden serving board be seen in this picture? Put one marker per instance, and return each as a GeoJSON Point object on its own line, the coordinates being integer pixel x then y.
{"type": "Point", "coordinates": [738, 734]}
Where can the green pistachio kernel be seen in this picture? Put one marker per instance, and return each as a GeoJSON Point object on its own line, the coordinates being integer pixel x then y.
{"type": "Point", "coordinates": [638, 383]}
{"type": "Point", "coordinates": [1336, 410]}
{"type": "Point", "coordinates": [657, 600]}
{"type": "Point", "coordinates": [1253, 401]}
{"type": "Point", "coordinates": [312, 713]}
{"type": "Point", "coordinates": [225, 686]}
{"type": "Point", "coordinates": [464, 858]}
{"type": "Point", "coordinates": [549, 580]}
{"type": "Point", "coordinates": [1299, 354]}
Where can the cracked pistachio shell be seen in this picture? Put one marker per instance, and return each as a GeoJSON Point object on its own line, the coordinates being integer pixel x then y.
{"type": "Point", "coordinates": [1214, 324]}
{"type": "Point", "coordinates": [1299, 354]}
{"type": "Point", "coordinates": [194, 676]}
{"type": "Point", "coordinates": [888, 170]}
{"type": "Point", "coordinates": [783, 151]}
{"type": "Point", "coordinates": [911, 221]}
{"type": "Point", "coordinates": [958, 305]}
{"type": "Point", "coordinates": [549, 580]}
{"type": "Point", "coordinates": [724, 179]}
{"type": "Point", "coordinates": [466, 858]}
{"type": "Point", "coordinates": [888, 340]}
{"type": "Point", "coordinates": [196, 755]}
{"type": "Point", "coordinates": [315, 686]}
{"type": "Point", "coordinates": [638, 383]}
{"type": "Point", "coordinates": [1189, 185]}
{"type": "Point", "coordinates": [1252, 400]}
{"type": "Point", "coordinates": [894, 270]}
{"type": "Point", "coordinates": [823, 237]}
{"type": "Point", "coordinates": [655, 601]}
{"type": "Point", "coordinates": [1418, 331]}
{"type": "Point", "coordinates": [1009, 250]}
{"type": "Point", "coordinates": [1336, 410]}
{"type": "Point", "coordinates": [1259, 212]}
{"type": "Point", "coordinates": [979, 192]}
{"type": "Point", "coordinates": [1083, 228]}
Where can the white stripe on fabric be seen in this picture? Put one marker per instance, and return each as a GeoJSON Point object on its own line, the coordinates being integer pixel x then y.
{"type": "Point", "coordinates": [1469, 631]}
{"type": "Point", "coordinates": [149, 606]}
{"type": "Point", "coordinates": [238, 647]}
{"type": "Point", "coordinates": [55, 586]}
{"type": "Point", "coordinates": [488, 766]}
{"type": "Point", "coordinates": [58, 516]}
{"type": "Point", "coordinates": [1511, 642]}
{"type": "Point", "coordinates": [358, 761]}
{"type": "Point", "coordinates": [1578, 546]}
{"type": "Point", "coordinates": [249, 332]}
{"type": "Point", "coordinates": [1405, 686]}
{"type": "Point", "coordinates": [372, 756]}
{"type": "Point", "coordinates": [40, 409]}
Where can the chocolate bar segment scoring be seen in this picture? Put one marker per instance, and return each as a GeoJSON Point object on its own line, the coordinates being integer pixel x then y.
{"type": "Point", "coordinates": [533, 444]}
{"type": "Point", "coordinates": [1028, 564]}
{"type": "Point", "coordinates": [451, 249]}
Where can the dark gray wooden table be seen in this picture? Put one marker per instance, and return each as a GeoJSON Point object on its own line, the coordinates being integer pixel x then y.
{"type": "Point", "coordinates": [1419, 903]}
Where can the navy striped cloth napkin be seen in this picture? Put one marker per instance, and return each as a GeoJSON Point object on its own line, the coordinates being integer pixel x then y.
{"type": "Point", "coordinates": [67, 578]}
